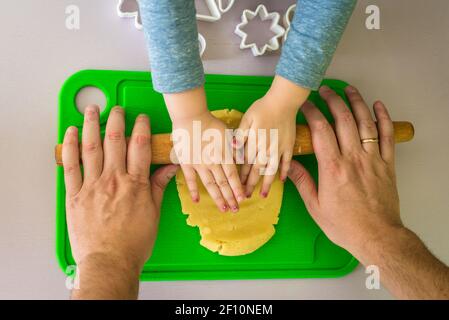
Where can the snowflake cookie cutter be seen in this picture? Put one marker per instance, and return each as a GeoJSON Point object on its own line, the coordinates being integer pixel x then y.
{"type": "Point", "coordinates": [288, 17]}
{"type": "Point", "coordinates": [130, 9]}
{"type": "Point", "coordinates": [276, 28]}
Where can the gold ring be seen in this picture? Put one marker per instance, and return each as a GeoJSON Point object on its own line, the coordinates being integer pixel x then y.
{"type": "Point", "coordinates": [369, 140]}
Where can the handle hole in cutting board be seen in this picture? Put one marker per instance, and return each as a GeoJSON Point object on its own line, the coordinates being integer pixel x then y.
{"type": "Point", "coordinates": [90, 95]}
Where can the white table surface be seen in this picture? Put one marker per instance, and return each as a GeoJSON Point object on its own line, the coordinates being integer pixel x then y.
{"type": "Point", "coordinates": [404, 64]}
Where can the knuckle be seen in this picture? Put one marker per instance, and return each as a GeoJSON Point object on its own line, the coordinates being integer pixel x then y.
{"type": "Point", "coordinates": [74, 202]}
{"type": "Point", "coordinates": [222, 183]}
{"type": "Point", "coordinates": [111, 183]}
{"type": "Point", "coordinates": [158, 182]}
{"type": "Point", "coordinates": [90, 147]}
{"type": "Point", "coordinates": [333, 166]}
{"type": "Point", "coordinates": [210, 184]}
{"type": "Point", "coordinates": [141, 139]}
{"type": "Point", "coordinates": [368, 124]}
{"type": "Point", "coordinates": [387, 139]}
{"type": "Point", "coordinates": [322, 126]}
{"type": "Point", "coordinates": [232, 174]}
{"type": "Point", "coordinates": [115, 136]}
{"type": "Point", "coordinates": [190, 180]}
{"type": "Point", "coordinates": [346, 116]}
{"type": "Point", "coordinates": [299, 177]}
{"type": "Point", "coordinates": [70, 169]}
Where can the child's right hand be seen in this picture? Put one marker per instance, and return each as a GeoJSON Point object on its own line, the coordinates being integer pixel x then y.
{"type": "Point", "coordinates": [220, 177]}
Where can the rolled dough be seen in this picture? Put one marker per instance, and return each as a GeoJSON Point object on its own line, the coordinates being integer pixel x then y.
{"type": "Point", "coordinates": [232, 234]}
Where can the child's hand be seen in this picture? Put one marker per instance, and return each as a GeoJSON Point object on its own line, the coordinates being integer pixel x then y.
{"type": "Point", "coordinates": [276, 110]}
{"type": "Point", "coordinates": [217, 172]}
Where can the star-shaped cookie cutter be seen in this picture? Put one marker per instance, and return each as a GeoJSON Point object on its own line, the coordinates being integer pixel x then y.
{"type": "Point", "coordinates": [276, 28]}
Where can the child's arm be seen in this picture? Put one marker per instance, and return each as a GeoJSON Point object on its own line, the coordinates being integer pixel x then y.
{"type": "Point", "coordinates": [172, 39]}
{"type": "Point", "coordinates": [315, 32]}
{"type": "Point", "coordinates": [313, 37]}
{"type": "Point", "coordinates": [177, 72]}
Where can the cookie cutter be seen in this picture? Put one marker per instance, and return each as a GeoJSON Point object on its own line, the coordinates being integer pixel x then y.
{"type": "Point", "coordinates": [130, 9]}
{"type": "Point", "coordinates": [202, 44]}
{"type": "Point", "coordinates": [288, 17]}
{"type": "Point", "coordinates": [224, 8]}
{"type": "Point", "coordinates": [216, 8]}
{"type": "Point", "coordinates": [276, 28]}
{"type": "Point", "coordinates": [215, 13]}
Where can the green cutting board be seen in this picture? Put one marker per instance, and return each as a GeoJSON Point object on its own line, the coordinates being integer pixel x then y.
{"type": "Point", "coordinates": [299, 249]}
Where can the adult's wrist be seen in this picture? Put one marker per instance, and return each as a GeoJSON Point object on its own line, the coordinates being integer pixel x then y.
{"type": "Point", "coordinates": [101, 276]}
{"type": "Point", "coordinates": [389, 239]}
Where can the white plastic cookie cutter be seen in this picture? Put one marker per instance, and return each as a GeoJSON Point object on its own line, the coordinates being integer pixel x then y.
{"type": "Point", "coordinates": [288, 17]}
{"type": "Point", "coordinates": [130, 9]}
{"type": "Point", "coordinates": [216, 8]}
{"type": "Point", "coordinates": [226, 8]}
{"type": "Point", "coordinates": [276, 28]}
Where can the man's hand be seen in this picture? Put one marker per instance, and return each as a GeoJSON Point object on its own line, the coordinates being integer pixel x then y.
{"type": "Point", "coordinates": [113, 209]}
{"type": "Point", "coordinates": [357, 200]}
{"type": "Point", "coordinates": [356, 203]}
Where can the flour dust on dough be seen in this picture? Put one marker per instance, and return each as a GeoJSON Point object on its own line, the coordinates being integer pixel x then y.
{"type": "Point", "coordinates": [232, 234]}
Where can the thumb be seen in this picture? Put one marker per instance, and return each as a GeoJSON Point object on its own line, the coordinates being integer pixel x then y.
{"type": "Point", "coordinates": [159, 180]}
{"type": "Point", "coordinates": [305, 184]}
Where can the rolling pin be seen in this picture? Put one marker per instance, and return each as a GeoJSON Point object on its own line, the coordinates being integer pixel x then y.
{"type": "Point", "coordinates": [161, 144]}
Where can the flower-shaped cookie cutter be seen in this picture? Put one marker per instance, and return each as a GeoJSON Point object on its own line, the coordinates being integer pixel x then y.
{"type": "Point", "coordinates": [288, 17]}
{"type": "Point", "coordinates": [276, 28]}
{"type": "Point", "coordinates": [130, 9]}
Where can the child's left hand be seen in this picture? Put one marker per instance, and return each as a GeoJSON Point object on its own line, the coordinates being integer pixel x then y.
{"type": "Point", "coordinates": [276, 110]}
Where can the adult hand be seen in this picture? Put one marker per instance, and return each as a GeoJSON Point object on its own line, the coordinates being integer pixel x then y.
{"type": "Point", "coordinates": [113, 209]}
{"type": "Point", "coordinates": [357, 200]}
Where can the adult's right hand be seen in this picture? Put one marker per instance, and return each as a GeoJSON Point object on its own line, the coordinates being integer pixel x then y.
{"type": "Point", "coordinates": [357, 200]}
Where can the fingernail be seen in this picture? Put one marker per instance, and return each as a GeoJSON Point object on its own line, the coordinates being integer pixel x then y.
{"type": "Point", "coordinates": [195, 199]}
{"type": "Point", "coordinates": [71, 131]}
{"type": "Point", "coordinates": [283, 179]}
{"type": "Point", "coordinates": [91, 113]}
{"type": "Point", "coordinates": [264, 194]}
{"type": "Point", "coordinates": [234, 208]}
{"type": "Point", "coordinates": [118, 109]}
{"type": "Point", "coordinates": [91, 109]}
{"type": "Point", "coordinates": [224, 208]}
{"type": "Point", "coordinates": [248, 195]}
{"type": "Point", "coordinates": [350, 89]}
{"type": "Point", "coordinates": [142, 117]}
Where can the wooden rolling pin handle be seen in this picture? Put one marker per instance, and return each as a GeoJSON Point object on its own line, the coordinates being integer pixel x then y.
{"type": "Point", "coordinates": [161, 144]}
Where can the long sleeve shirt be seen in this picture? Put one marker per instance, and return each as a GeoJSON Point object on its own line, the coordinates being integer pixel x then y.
{"type": "Point", "coordinates": [172, 39]}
